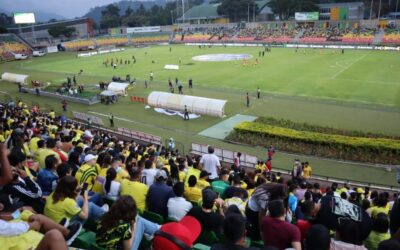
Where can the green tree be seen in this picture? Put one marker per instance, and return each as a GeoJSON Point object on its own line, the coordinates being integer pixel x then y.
{"type": "Point", "coordinates": [61, 30]}
{"type": "Point", "coordinates": [286, 8]}
{"type": "Point", "coordinates": [237, 10]}
{"type": "Point", "coordinates": [110, 17]}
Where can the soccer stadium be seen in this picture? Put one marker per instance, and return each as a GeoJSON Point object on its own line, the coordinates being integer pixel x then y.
{"type": "Point", "coordinates": [196, 124]}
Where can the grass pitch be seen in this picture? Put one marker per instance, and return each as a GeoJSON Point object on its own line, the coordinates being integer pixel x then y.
{"type": "Point", "coordinates": [359, 90]}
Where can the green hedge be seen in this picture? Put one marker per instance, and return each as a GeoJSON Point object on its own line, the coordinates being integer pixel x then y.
{"type": "Point", "coordinates": [374, 150]}
{"type": "Point", "coordinates": [321, 129]}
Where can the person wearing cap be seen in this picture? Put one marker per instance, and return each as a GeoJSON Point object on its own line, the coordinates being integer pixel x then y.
{"type": "Point", "coordinates": [210, 163]}
{"type": "Point", "coordinates": [177, 235]}
{"type": "Point", "coordinates": [222, 184]}
{"type": "Point", "coordinates": [159, 194]}
{"type": "Point", "coordinates": [178, 207]}
{"type": "Point", "coordinates": [192, 192]}
{"type": "Point", "coordinates": [87, 173]}
{"type": "Point", "coordinates": [202, 181]}
{"type": "Point", "coordinates": [234, 227]}
{"type": "Point", "coordinates": [209, 220]}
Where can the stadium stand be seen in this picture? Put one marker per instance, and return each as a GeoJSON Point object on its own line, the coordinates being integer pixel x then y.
{"type": "Point", "coordinates": [79, 44]}
{"type": "Point", "coordinates": [155, 37]}
{"type": "Point", "coordinates": [9, 46]}
{"type": "Point", "coordinates": [106, 41]}
{"type": "Point", "coordinates": [391, 37]}
{"type": "Point", "coordinates": [55, 157]}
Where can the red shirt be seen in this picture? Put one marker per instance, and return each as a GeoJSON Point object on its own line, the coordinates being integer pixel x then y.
{"type": "Point", "coordinates": [303, 226]}
{"type": "Point", "coordinates": [279, 233]}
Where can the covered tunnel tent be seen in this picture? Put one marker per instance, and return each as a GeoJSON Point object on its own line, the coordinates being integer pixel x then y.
{"type": "Point", "coordinates": [195, 104]}
{"type": "Point", "coordinates": [118, 88]}
{"type": "Point", "coordinates": [11, 77]}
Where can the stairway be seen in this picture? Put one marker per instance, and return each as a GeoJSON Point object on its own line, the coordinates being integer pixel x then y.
{"type": "Point", "coordinates": [23, 40]}
{"type": "Point", "coordinates": [296, 39]}
{"type": "Point", "coordinates": [378, 37]}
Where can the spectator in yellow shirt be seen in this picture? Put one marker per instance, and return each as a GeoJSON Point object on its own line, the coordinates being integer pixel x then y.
{"type": "Point", "coordinates": [134, 188]}
{"type": "Point", "coordinates": [202, 182]}
{"type": "Point", "coordinates": [87, 172]}
{"type": "Point", "coordinates": [193, 193]}
{"type": "Point", "coordinates": [307, 170]}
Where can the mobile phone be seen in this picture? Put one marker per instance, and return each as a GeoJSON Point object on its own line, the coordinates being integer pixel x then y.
{"type": "Point", "coordinates": [84, 188]}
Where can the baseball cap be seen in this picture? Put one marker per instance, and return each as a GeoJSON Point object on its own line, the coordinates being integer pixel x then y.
{"type": "Point", "coordinates": [89, 157]}
{"type": "Point", "coordinates": [186, 230]}
{"type": "Point", "coordinates": [161, 175]}
{"type": "Point", "coordinates": [204, 173]}
{"type": "Point", "coordinates": [208, 195]}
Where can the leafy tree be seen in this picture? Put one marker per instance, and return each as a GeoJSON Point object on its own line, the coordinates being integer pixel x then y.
{"type": "Point", "coordinates": [237, 10]}
{"type": "Point", "coordinates": [61, 30]}
{"type": "Point", "coordinates": [286, 8]}
{"type": "Point", "coordinates": [110, 17]}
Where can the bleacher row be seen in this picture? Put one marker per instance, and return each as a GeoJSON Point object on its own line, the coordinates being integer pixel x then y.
{"type": "Point", "coordinates": [9, 45]}
{"type": "Point", "coordinates": [284, 35]}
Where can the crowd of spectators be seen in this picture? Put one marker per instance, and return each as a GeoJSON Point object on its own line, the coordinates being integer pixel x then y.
{"type": "Point", "coordinates": [57, 175]}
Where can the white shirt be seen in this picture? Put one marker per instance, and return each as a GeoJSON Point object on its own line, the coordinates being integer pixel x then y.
{"type": "Point", "coordinates": [115, 188]}
{"type": "Point", "coordinates": [210, 163]}
{"type": "Point", "coordinates": [148, 176]}
{"type": "Point", "coordinates": [178, 207]}
{"type": "Point", "coordinates": [8, 229]}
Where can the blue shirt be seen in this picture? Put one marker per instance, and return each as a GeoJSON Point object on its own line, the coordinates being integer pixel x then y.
{"type": "Point", "coordinates": [157, 198]}
{"type": "Point", "coordinates": [45, 180]}
{"type": "Point", "coordinates": [292, 202]}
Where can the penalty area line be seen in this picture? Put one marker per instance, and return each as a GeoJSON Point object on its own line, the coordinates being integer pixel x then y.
{"type": "Point", "coordinates": [348, 66]}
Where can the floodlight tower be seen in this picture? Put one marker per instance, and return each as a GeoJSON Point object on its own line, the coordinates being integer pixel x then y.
{"type": "Point", "coordinates": [183, 11]}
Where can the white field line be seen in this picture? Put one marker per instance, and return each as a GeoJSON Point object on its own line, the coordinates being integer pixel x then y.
{"type": "Point", "coordinates": [368, 81]}
{"type": "Point", "coordinates": [348, 66]}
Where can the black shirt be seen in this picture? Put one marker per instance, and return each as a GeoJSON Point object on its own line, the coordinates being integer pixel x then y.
{"type": "Point", "coordinates": [209, 221]}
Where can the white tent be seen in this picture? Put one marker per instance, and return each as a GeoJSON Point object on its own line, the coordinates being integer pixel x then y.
{"type": "Point", "coordinates": [11, 77]}
{"type": "Point", "coordinates": [119, 88]}
{"type": "Point", "coordinates": [194, 104]}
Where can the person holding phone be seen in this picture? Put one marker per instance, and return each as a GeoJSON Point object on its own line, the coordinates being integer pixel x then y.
{"type": "Point", "coordinates": [65, 202]}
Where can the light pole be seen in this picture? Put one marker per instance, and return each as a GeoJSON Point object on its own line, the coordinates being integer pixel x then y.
{"type": "Point", "coordinates": [248, 12]}
{"type": "Point", "coordinates": [379, 11]}
{"type": "Point", "coordinates": [183, 11]}
{"type": "Point", "coordinates": [172, 17]}
{"type": "Point", "coordinates": [370, 13]}
{"type": "Point", "coordinates": [397, 8]}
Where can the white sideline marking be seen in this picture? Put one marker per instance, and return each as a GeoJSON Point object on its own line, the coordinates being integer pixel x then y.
{"type": "Point", "coordinates": [368, 81]}
{"type": "Point", "coordinates": [348, 66]}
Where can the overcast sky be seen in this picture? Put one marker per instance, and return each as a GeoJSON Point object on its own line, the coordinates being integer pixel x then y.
{"type": "Point", "coordinates": [66, 8]}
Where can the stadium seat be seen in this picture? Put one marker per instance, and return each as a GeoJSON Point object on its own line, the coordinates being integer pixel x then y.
{"type": "Point", "coordinates": [84, 240]}
{"type": "Point", "coordinates": [200, 246]}
{"type": "Point", "coordinates": [153, 217]}
{"type": "Point", "coordinates": [208, 238]}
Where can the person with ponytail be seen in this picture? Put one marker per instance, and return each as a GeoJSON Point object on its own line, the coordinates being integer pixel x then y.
{"type": "Point", "coordinates": [111, 187]}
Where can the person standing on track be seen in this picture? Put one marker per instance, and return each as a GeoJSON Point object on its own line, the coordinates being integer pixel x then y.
{"type": "Point", "coordinates": [247, 99]}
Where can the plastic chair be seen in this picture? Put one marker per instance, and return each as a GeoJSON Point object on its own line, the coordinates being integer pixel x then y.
{"type": "Point", "coordinates": [199, 246]}
{"type": "Point", "coordinates": [153, 217]}
{"type": "Point", "coordinates": [169, 219]}
{"type": "Point", "coordinates": [84, 240]}
{"type": "Point", "coordinates": [208, 238]}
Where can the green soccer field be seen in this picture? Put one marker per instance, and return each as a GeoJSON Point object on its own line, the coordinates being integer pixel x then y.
{"type": "Point", "coordinates": [358, 76]}
{"type": "Point", "coordinates": [359, 90]}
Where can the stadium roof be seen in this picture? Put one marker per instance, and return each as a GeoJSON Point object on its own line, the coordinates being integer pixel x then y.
{"type": "Point", "coordinates": [45, 26]}
{"type": "Point", "coordinates": [209, 11]}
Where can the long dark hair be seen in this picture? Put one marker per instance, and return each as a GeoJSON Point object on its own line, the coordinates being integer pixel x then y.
{"type": "Point", "coordinates": [66, 188]}
{"type": "Point", "coordinates": [111, 175]}
{"type": "Point", "coordinates": [123, 209]}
